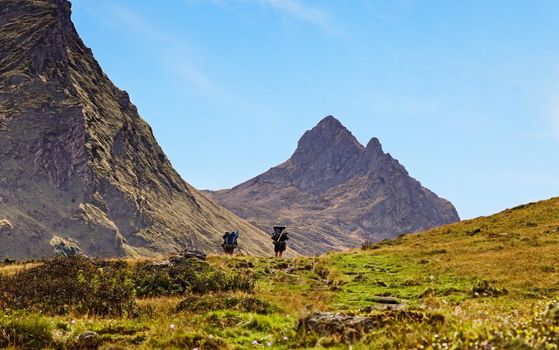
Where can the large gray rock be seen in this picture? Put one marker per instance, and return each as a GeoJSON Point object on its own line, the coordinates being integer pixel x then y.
{"type": "Point", "coordinates": [66, 247]}
{"type": "Point", "coordinates": [350, 328]}
{"type": "Point", "coordinates": [6, 226]}
{"type": "Point", "coordinates": [87, 340]}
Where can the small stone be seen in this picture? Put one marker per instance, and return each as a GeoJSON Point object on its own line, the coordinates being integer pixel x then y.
{"type": "Point", "coordinates": [6, 226]}
{"type": "Point", "coordinates": [385, 300]}
{"type": "Point", "coordinates": [88, 341]}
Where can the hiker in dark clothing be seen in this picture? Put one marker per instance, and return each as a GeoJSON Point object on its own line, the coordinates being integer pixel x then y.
{"type": "Point", "coordinates": [280, 240]}
{"type": "Point", "coordinates": [230, 242]}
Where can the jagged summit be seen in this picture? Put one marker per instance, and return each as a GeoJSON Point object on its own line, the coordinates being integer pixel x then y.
{"type": "Point", "coordinates": [323, 155]}
{"type": "Point", "coordinates": [330, 122]}
{"type": "Point", "coordinates": [77, 162]}
{"type": "Point", "coordinates": [329, 133]}
{"type": "Point", "coordinates": [374, 146]}
{"type": "Point", "coordinates": [334, 193]}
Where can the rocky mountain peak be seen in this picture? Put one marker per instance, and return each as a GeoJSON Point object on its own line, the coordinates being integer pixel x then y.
{"type": "Point", "coordinates": [372, 154]}
{"type": "Point", "coordinates": [323, 154]}
{"type": "Point", "coordinates": [333, 193]}
{"type": "Point", "coordinates": [330, 122]}
{"type": "Point", "coordinates": [374, 146]}
{"type": "Point", "coordinates": [331, 139]}
{"type": "Point", "coordinates": [328, 135]}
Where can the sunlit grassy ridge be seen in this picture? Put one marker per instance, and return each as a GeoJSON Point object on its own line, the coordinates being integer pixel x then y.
{"type": "Point", "coordinates": [482, 283]}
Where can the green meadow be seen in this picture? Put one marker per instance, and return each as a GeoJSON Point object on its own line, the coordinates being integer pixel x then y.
{"type": "Point", "coordinates": [487, 283]}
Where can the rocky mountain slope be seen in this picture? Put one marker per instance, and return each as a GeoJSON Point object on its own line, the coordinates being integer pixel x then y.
{"type": "Point", "coordinates": [77, 163]}
{"type": "Point", "coordinates": [333, 193]}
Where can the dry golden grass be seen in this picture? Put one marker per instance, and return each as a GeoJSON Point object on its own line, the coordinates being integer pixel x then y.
{"type": "Point", "coordinates": [9, 270]}
{"type": "Point", "coordinates": [517, 249]}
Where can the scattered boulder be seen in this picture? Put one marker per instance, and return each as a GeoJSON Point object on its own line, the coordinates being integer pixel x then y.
{"type": "Point", "coordinates": [6, 226]}
{"type": "Point", "coordinates": [484, 289]}
{"type": "Point", "coordinates": [87, 341]}
{"type": "Point", "coordinates": [188, 254]}
{"type": "Point", "coordinates": [66, 247]}
{"type": "Point", "coordinates": [350, 328]}
{"type": "Point", "coordinates": [161, 263]}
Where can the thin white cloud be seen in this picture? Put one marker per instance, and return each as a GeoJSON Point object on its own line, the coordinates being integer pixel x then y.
{"type": "Point", "coordinates": [175, 53]}
{"type": "Point", "coordinates": [302, 12]}
{"type": "Point", "coordinates": [294, 10]}
{"type": "Point", "coordinates": [391, 12]}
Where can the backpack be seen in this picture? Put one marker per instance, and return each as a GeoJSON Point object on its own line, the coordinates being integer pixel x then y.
{"type": "Point", "coordinates": [231, 238]}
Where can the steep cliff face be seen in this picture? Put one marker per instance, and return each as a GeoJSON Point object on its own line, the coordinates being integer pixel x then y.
{"type": "Point", "coordinates": [333, 193]}
{"type": "Point", "coordinates": [76, 159]}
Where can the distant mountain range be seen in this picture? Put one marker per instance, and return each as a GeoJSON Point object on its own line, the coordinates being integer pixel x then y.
{"type": "Point", "coordinates": [78, 164]}
{"type": "Point", "coordinates": [334, 193]}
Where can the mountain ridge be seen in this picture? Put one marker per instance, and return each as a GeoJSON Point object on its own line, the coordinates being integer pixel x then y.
{"type": "Point", "coordinates": [335, 193]}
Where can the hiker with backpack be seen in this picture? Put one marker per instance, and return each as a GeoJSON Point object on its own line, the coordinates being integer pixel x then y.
{"type": "Point", "coordinates": [230, 242]}
{"type": "Point", "coordinates": [280, 240]}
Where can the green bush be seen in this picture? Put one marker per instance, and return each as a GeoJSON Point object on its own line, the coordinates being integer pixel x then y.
{"type": "Point", "coordinates": [25, 332]}
{"type": "Point", "coordinates": [189, 276]}
{"type": "Point", "coordinates": [109, 288]}
{"type": "Point", "coordinates": [78, 284]}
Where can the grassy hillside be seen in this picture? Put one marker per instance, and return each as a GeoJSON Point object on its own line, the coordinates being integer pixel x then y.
{"type": "Point", "coordinates": [484, 283]}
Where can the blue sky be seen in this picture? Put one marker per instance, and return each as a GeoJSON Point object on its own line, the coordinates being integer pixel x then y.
{"type": "Point", "coordinates": [465, 94]}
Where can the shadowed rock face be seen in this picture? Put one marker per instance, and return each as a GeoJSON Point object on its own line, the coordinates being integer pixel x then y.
{"type": "Point", "coordinates": [77, 161]}
{"type": "Point", "coordinates": [333, 193]}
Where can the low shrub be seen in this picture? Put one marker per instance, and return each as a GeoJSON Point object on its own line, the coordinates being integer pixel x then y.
{"type": "Point", "coordinates": [8, 261]}
{"type": "Point", "coordinates": [368, 245]}
{"type": "Point", "coordinates": [189, 276]}
{"type": "Point", "coordinates": [78, 284]}
{"type": "Point", "coordinates": [25, 332]}
{"type": "Point", "coordinates": [109, 288]}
